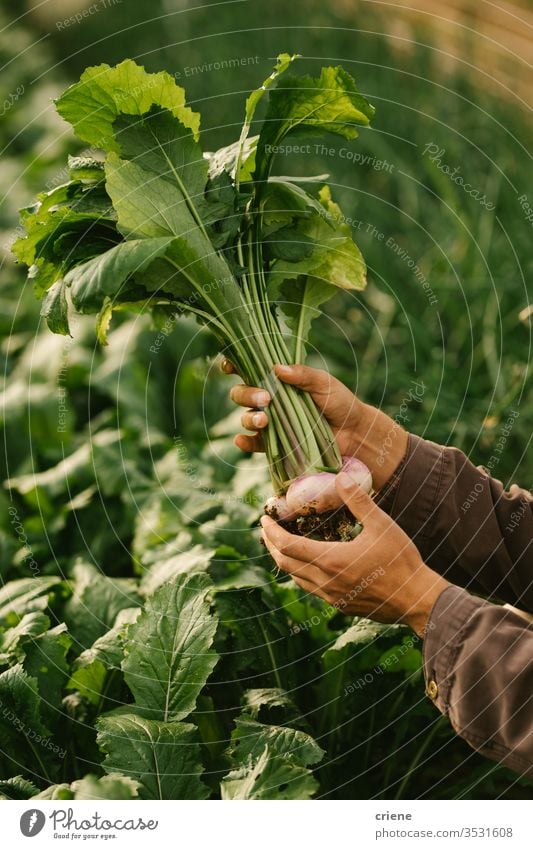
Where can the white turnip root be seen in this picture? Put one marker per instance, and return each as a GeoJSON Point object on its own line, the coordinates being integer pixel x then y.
{"type": "Point", "coordinates": [278, 509]}
{"type": "Point", "coordinates": [311, 494]}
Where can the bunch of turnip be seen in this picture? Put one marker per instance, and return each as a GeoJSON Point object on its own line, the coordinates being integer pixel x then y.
{"type": "Point", "coordinates": [315, 495]}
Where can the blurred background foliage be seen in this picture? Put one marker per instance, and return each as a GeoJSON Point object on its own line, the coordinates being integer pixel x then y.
{"type": "Point", "coordinates": [82, 488]}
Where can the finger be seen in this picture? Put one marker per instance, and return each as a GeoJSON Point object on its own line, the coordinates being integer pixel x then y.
{"type": "Point", "coordinates": [252, 420]}
{"type": "Point", "coordinates": [328, 393]}
{"type": "Point", "coordinates": [249, 396]}
{"type": "Point", "coordinates": [299, 548]}
{"type": "Point", "coordinates": [297, 568]}
{"type": "Point", "coordinates": [227, 366]}
{"type": "Point", "coordinates": [249, 444]}
{"type": "Point", "coordinates": [313, 589]}
{"type": "Point", "coordinates": [358, 501]}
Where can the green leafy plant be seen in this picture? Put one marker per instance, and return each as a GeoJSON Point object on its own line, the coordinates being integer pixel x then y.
{"type": "Point", "coordinates": [161, 225]}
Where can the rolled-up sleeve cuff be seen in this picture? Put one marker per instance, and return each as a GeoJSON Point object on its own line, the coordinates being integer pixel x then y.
{"type": "Point", "coordinates": [445, 631]}
{"type": "Point", "coordinates": [412, 493]}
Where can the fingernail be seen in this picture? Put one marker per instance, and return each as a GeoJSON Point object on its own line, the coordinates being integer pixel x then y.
{"type": "Point", "coordinates": [257, 419]}
{"type": "Point", "coordinates": [285, 371]}
{"type": "Point", "coordinates": [261, 399]}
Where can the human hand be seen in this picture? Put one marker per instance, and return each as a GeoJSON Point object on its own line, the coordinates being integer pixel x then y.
{"type": "Point", "coordinates": [360, 430]}
{"type": "Point", "coordinates": [380, 574]}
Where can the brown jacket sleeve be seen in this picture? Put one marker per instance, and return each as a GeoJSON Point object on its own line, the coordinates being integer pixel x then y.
{"type": "Point", "coordinates": [478, 657]}
{"type": "Point", "coordinates": [463, 522]}
{"type": "Point", "coordinates": [478, 665]}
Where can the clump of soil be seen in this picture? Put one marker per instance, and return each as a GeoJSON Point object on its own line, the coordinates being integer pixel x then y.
{"type": "Point", "coordinates": [333, 526]}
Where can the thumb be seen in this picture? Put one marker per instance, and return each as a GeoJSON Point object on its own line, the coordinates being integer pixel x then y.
{"type": "Point", "coordinates": [356, 499]}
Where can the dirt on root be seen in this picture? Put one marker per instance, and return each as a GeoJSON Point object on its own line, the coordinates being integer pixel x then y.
{"type": "Point", "coordinates": [332, 526]}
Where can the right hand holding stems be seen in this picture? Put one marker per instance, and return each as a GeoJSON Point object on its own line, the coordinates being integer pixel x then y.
{"type": "Point", "coordinates": [361, 431]}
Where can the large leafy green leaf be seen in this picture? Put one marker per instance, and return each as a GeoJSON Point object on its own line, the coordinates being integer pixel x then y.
{"type": "Point", "coordinates": [106, 787]}
{"type": "Point", "coordinates": [95, 603]}
{"type": "Point", "coordinates": [267, 697]}
{"type": "Point", "coordinates": [92, 787]}
{"type": "Point", "coordinates": [169, 657]}
{"type": "Point", "coordinates": [330, 103]}
{"type": "Point", "coordinates": [163, 146]}
{"type": "Point", "coordinates": [272, 763]}
{"type": "Point", "coordinates": [196, 559]}
{"type": "Point", "coordinates": [12, 640]}
{"type": "Point", "coordinates": [17, 787]}
{"type": "Point", "coordinates": [22, 730]}
{"type": "Point", "coordinates": [283, 203]}
{"type": "Point", "coordinates": [363, 632]}
{"type": "Point", "coordinates": [24, 596]}
{"type": "Point", "coordinates": [250, 738]}
{"type": "Point", "coordinates": [55, 308]}
{"type": "Point", "coordinates": [65, 227]}
{"type": "Point", "coordinates": [92, 669]}
{"type": "Point", "coordinates": [107, 274]}
{"type": "Point", "coordinates": [268, 777]}
{"type": "Point", "coordinates": [304, 285]}
{"type": "Point", "coordinates": [284, 61]}
{"type": "Point", "coordinates": [336, 259]}
{"type": "Point", "coordinates": [45, 660]}
{"type": "Point", "coordinates": [93, 104]}
{"type": "Point", "coordinates": [163, 756]}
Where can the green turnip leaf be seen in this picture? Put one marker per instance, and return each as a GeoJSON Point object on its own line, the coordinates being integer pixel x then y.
{"type": "Point", "coordinates": [271, 762]}
{"type": "Point", "coordinates": [102, 93]}
{"type": "Point", "coordinates": [169, 656]}
{"type": "Point", "coordinates": [330, 103]}
{"type": "Point", "coordinates": [163, 756]}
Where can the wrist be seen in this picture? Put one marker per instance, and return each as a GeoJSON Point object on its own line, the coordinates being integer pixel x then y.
{"type": "Point", "coordinates": [428, 591]}
{"type": "Point", "coordinates": [381, 443]}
